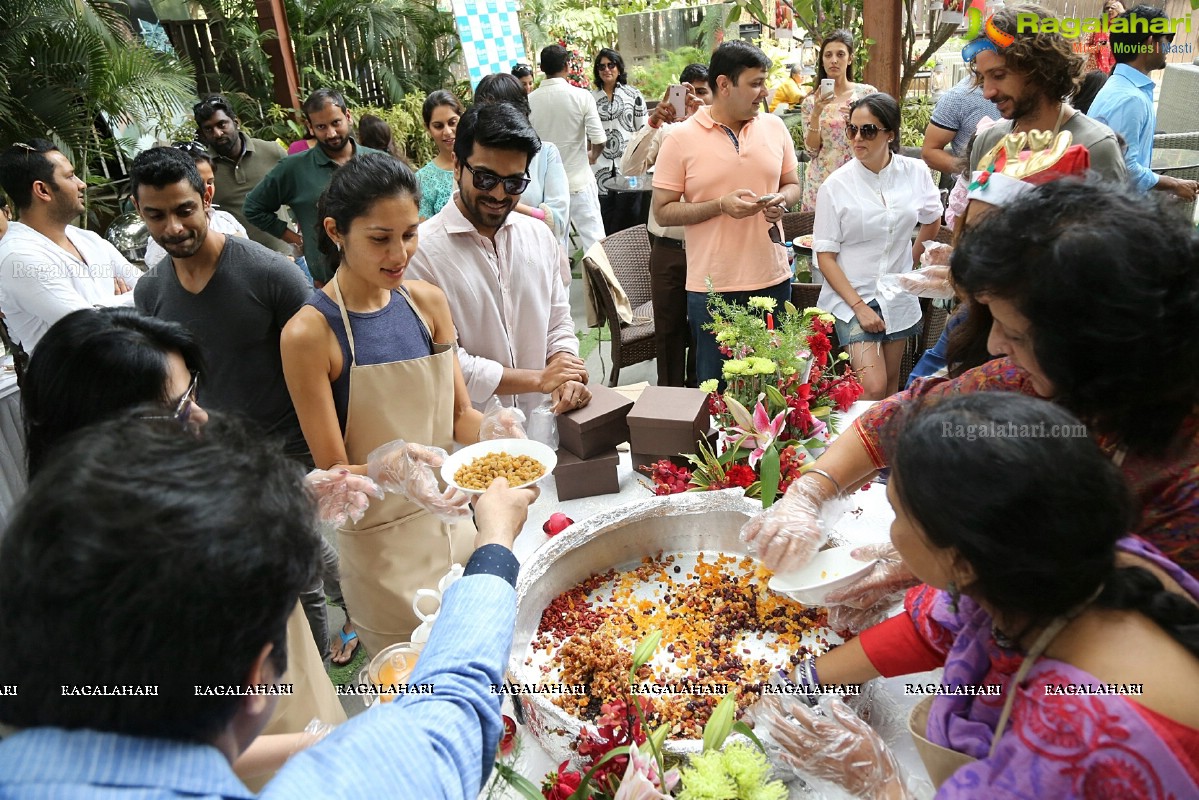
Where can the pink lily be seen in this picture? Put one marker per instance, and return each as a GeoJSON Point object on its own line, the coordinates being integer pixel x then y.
{"type": "Point", "coordinates": [759, 427]}
{"type": "Point", "coordinates": [640, 781]}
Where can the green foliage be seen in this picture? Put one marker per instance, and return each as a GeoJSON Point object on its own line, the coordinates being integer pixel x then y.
{"type": "Point", "coordinates": [916, 112]}
{"type": "Point", "coordinates": [652, 80]}
{"type": "Point", "coordinates": [408, 126]}
{"type": "Point", "coordinates": [64, 63]}
{"type": "Point", "coordinates": [409, 42]}
{"type": "Point", "coordinates": [576, 22]}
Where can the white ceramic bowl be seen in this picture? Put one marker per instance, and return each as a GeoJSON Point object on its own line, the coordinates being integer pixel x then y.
{"type": "Point", "coordinates": [829, 571]}
{"type": "Point", "coordinates": [513, 447]}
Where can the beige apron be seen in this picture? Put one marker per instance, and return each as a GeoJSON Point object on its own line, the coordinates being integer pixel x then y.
{"type": "Point", "coordinates": [313, 693]}
{"type": "Point", "coordinates": [942, 762]}
{"type": "Point", "coordinates": [397, 547]}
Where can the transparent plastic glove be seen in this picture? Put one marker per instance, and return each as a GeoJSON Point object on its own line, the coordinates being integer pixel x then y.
{"type": "Point", "coordinates": [787, 535]}
{"type": "Point", "coordinates": [936, 254]}
{"type": "Point", "coordinates": [313, 732]}
{"type": "Point", "coordinates": [408, 469]}
{"type": "Point", "coordinates": [341, 495]}
{"type": "Point", "coordinates": [829, 744]}
{"type": "Point", "coordinates": [549, 218]}
{"type": "Point", "coordinates": [543, 425]}
{"type": "Point", "coordinates": [500, 422]}
{"type": "Point", "coordinates": [868, 600]}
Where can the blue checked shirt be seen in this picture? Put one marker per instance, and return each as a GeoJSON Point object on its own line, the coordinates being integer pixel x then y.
{"type": "Point", "coordinates": [1125, 104]}
{"type": "Point", "coordinates": [439, 745]}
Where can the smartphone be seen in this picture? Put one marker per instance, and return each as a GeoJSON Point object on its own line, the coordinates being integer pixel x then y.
{"type": "Point", "coordinates": [766, 198]}
{"type": "Point", "coordinates": [676, 95]}
{"type": "Point", "coordinates": [826, 88]}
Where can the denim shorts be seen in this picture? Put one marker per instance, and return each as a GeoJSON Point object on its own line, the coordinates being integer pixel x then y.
{"type": "Point", "coordinates": [851, 332]}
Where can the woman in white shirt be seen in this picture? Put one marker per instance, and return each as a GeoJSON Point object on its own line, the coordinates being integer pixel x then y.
{"type": "Point", "coordinates": [623, 112]}
{"type": "Point", "coordinates": [865, 213]}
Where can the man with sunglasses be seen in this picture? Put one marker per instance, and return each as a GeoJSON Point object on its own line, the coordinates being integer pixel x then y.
{"type": "Point", "coordinates": [239, 163]}
{"type": "Point", "coordinates": [49, 267]}
{"type": "Point", "coordinates": [499, 271]}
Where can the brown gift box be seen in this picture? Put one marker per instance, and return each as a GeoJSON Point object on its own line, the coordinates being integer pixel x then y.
{"type": "Point", "coordinates": [598, 426]}
{"type": "Point", "coordinates": [668, 419]}
{"type": "Point", "coordinates": [578, 477]}
{"type": "Point", "coordinates": [640, 460]}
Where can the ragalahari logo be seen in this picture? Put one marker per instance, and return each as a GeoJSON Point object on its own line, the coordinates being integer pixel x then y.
{"type": "Point", "coordinates": [991, 37]}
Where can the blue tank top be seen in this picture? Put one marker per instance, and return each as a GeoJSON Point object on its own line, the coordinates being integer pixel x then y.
{"type": "Point", "coordinates": [393, 333]}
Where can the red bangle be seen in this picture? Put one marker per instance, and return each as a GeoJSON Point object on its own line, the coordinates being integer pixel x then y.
{"type": "Point", "coordinates": [651, 122]}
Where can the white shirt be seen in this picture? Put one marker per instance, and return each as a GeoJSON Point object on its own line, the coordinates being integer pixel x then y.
{"type": "Point", "coordinates": [40, 283]}
{"type": "Point", "coordinates": [219, 221]}
{"type": "Point", "coordinates": [509, 305]}
{"type": "Point", "coordinates": [867, 219]}
{"type": "Point", "coordinates": [568, 116]}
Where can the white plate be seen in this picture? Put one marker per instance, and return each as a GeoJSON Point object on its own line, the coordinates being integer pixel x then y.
{"type": "Point", "coordinates": [513, 447]}
{"type": "Point", "coordinates": [829, 571]}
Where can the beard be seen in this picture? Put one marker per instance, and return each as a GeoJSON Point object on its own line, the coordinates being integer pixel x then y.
{"type": "Point", "coordinates": [339, 144]}
{"type": "Point", "coordinates": [484, 212]}
{"type": "Point", "coordinates": [184, 247]}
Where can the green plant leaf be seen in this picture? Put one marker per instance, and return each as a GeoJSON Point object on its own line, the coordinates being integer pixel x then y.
{"type": "Point", "coordinates": [519, 782]}
{"type": "Point", "coordinates": [658, 737]}
{"type": "Point", "coordinates": [770, 472]}
{"type": "Point", "coordinates": [775, 398]}
{"type": "Point", "coordinates": [645, 651]}
{"type": "Point", "coordinates": [743, 729]}
{"type": "Point", "coordinates": [720, 724]}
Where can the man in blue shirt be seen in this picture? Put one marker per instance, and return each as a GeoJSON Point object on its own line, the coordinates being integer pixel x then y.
{"type": "Point", "coordinates": [1125, 103]}
{"type": "Point", "coordinates": [160, 580]}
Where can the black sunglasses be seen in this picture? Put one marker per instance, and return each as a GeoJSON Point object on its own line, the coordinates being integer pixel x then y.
{"type": "Point", "coordinates": [607, 66]}
{"type": "Point", "coordinates": [868, 131]}
{"type": "Point", "coordinates": [486, 181]}
{"type": "Point", "coordinates": [215, 101]}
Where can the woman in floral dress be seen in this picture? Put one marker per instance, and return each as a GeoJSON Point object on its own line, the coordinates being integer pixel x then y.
{"type": "Point", "coordinates": [623, 113]}
{"type": "Point", "coordinates": [825, 117]}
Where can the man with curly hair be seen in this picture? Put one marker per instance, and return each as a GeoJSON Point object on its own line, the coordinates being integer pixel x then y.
{"type": "Point", "coordinates": [1028, 74]}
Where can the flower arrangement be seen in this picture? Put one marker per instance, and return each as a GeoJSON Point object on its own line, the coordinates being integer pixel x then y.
{"type": "Point", "coordinates": [775, 412]}
{"type": "Point", "coordinates": [624, 762]}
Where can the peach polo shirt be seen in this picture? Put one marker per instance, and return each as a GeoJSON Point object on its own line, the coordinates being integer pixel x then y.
{"type": "Point", "coordinates": [699, 159]}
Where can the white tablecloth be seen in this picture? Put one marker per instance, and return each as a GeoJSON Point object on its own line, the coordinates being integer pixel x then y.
{"type": "Point", "coordinates": [12, 444]}
{"type": "Point", "coordinates": [870, 522]}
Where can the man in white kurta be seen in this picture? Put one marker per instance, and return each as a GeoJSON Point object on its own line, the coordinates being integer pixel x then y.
{"type": "Point", "coordinates": [48, 267]}
{"type": "Point", "coordinates": [499, 271]}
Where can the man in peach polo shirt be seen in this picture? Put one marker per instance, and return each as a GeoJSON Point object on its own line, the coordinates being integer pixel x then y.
{"type": "Point", "coordinates": [726, 175]}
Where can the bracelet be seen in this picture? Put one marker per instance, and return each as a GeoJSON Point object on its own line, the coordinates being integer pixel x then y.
{"type": "Point", "coordinates": [826, 476]}
{"type": "Point", "coordinates": [720, 204]}
{"type": "Point", "coordinates": [860, 302]}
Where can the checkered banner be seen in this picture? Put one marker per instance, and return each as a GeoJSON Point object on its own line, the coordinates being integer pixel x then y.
{"type": "Point", "coordinates": [490, 33]}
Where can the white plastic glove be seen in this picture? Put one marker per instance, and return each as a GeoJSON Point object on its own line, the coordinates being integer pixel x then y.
{"type": "Point", "coordinates": [829, 744]}
{"type": "Point", "coordinates": [500, 422]}
{"type": "Point", "coordinates": [549, 219]}
{"type": "Point", "coordinates": [313, 733]}
{"type": "Point", "coordinates": [931, 282]}
{"type": "Point", "coordinates": [341, 495]}
{"type": "Point", "coordinates": [787, 535]}
{"type": "Point", "coordinates": [408, 469]}
{"type": "Point", "coordinates": [869, 600]}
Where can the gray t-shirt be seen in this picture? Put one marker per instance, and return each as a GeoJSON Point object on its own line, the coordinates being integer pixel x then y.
{"type": "Point", "coordinates": [959, 110]}
{"type": "Point", "coordinates": [1106, 156]}
{"type": "Point", "coordinates": [237, 319]}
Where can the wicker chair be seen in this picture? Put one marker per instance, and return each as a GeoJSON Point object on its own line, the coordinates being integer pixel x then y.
{"type": "Point", "coordinates": [798, 223]}
{"type": "Point", "coordinates": [628, 254]}
{"type": "Point", "coordinates": [934, 319]}
{"type": "Point", "coordinates": [1181, 141]}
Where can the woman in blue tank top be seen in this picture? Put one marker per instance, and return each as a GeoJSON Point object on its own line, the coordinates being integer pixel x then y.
{"type": "Point", "coordinates": [369, 362]}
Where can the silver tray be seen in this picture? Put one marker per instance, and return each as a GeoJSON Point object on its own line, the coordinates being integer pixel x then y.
{"type": "Point", "coordinates": [681, 524]}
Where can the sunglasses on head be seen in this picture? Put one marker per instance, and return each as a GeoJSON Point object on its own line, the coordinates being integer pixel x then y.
{"type": "Point", "coordinates": [486, 181]}
{"type": "Point", "coordinates": [213, 101]}
{"type": "Point", "coordinates": [191, 148]}
{"type": "Point", "coordinates": [868, 131]}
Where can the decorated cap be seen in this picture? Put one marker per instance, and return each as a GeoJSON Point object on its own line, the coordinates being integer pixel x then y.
{"type": "Point", "coordinates": [1013, 170]}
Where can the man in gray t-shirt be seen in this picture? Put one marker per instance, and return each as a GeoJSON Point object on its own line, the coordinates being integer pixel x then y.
{"type": "Point", "coordinates": [954, 119]}
{"type": "Point", "coordinates": [234, 295]}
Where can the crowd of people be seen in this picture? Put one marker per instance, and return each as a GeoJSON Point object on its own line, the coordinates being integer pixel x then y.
{"type": "Point", "coordinates": [199, 432]}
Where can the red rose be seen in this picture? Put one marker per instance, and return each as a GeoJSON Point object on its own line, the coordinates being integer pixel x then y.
{"type": "Point", "coordinates": [562, 784]}
{"type": "Point", "coordinates": [741, 475]}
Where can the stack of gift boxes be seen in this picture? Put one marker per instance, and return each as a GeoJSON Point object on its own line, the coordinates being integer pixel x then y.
{"type": "Point", "coordinates": [664, 423]}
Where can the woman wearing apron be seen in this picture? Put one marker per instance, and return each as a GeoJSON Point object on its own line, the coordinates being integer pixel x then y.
{"type": "Point", "coordinates": [369, 362]}
{"type": "Point", "coordinates": [1032, 587]}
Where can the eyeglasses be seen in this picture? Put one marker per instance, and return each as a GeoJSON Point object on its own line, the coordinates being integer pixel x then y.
{"type": "Point", "coordinates": [212, 101]}
{"type": "Point", "coordinates": [868, 131]}
{"type": "Point", "coordinates": [486, 181]}
{"type": "Point", "coordinates": [606, 66]}
{"type": "Point", "coordinates": [191, 148]}
{"type": "Point", "coordinates": [183, 409]}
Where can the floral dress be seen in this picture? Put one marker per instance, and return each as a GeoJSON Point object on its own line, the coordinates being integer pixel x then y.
{"type": "Point", "coordinates": [834, 147]}
{"type": "Point", "coordinates": [436, 188]}
{"type": "Point", "coordinates": [622, 116]}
